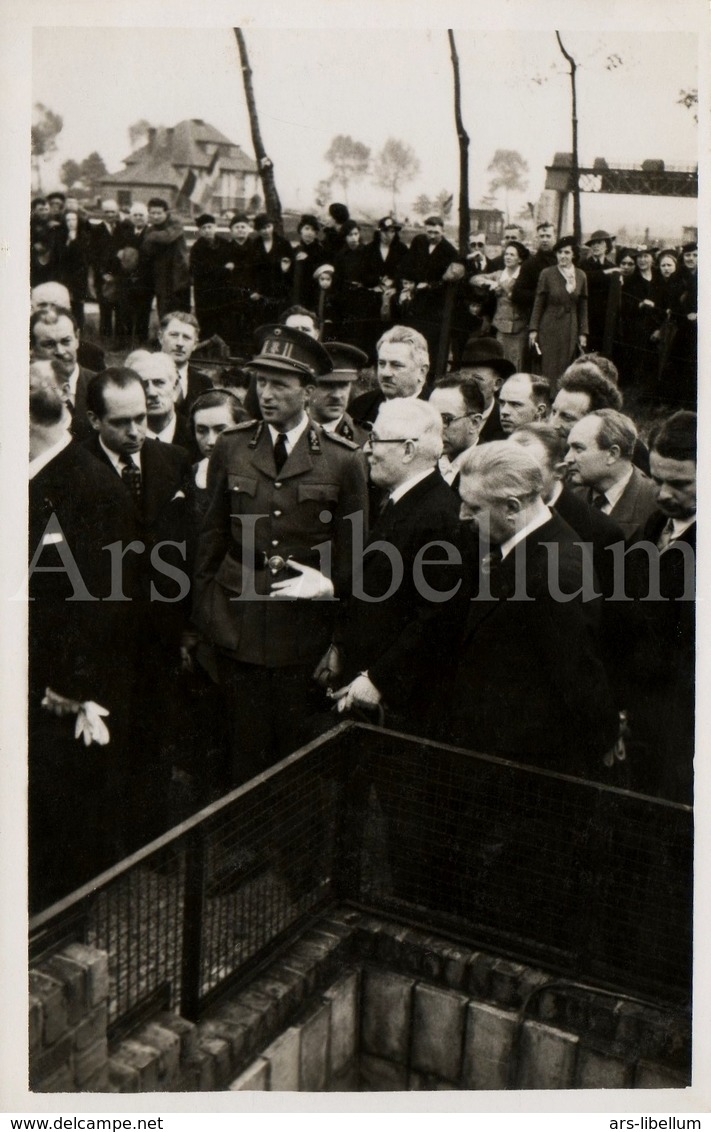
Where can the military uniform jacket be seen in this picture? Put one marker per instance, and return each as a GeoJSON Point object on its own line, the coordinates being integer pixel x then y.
{"type": "Point", "coordinates": [256, 514]}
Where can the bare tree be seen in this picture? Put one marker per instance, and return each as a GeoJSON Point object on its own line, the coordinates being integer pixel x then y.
{"type": "Point", "coordinates": [463, 139]}
{"type": "Point", "coordinates": [70, 173]}
{"type": "Point", "coordinates": [577, 216]}
{"type": "Point", "coordinates": [396, 165]}
{"type": "Point", "coordinates": [46, 126]}
{"type": "Point", "coordinates": [93, 170]}
{"type": "Point", "coordinates": [508, 168]}
{"type": "Point", "coordinates": [264, 162]}
{"type": "Point", "coordinates": [690, 99]}
{"type": "Point", "coordinates": [349, 160]}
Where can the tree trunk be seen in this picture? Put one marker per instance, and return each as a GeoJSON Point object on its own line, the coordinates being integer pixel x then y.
{"type": "Point", "coordinates": [266, 168]}
{"type": "Point", "coordinates": [577, 218]}
{"type": "Point", "coordinates": [463, 139]}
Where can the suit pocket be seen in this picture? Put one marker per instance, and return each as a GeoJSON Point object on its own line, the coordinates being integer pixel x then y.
{"type": "Point", "coordinates": [241, 489]}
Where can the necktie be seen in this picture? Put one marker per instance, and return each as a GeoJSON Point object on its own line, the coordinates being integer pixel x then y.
{"type": "Point", "coordinates": [667, 535]}
{"type": "Point", "coordinates": [492, 560]}
{"type": "Point", "coordinates": [131, 476]}
{"type": "Point", "coordinates": [280, 452]}
{"type": "Point", "coordinates": [386, 508]}
{"type": "Point", "coordinates": [598, 499]}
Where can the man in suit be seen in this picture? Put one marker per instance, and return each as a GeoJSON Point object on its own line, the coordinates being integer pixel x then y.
{"type": "Point", "coordinates": [582, 389]}
{"type": "Point", "coordinates": [460, 404]}
{"type": "Point", "coordinates": [47, 295]}
{"type": "Point", "coordinates": [160, 383]}
{"type": "Point", "coordinates": [80, 650]}
{"type": "Point", "coordinates": [423, 276]}
{"type": "Point", "coordinates": [54, 334]}
{"type": "Point", "coordinates": [155, 478]}
{"type": "Point", "coordinates": [106, 240]}
{"type": "Point", "coordinates": [483, 361]}
{"type": "Point", "coordinates": [524, 398]}
{"type": "Point", "coordinates": [662, 707]}
{"type": "Point", "coordinates": [178, 337]}
{"type": "Point", "coordinates": [530, 682]}
{"type": "Point", "coordinates": [275, 548]}
{"type": "Point", "coordinates": [211, 267]}
{"type": "Point", "coordinates": [599, 458]}
{"type": "Point", "coordinates": [329, 400]}
{"type": "Point", "coordinates": [403, 362]}
{"type": "Point", "coordinates": [392, 639]}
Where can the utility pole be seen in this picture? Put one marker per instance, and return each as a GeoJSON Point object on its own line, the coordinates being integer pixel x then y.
{"type": "Point", "coordinates": [577, 219]}
{"type": "Point", "coordinates": [463, 139]}
{"type": "Point", "coordinates": [266, 168]}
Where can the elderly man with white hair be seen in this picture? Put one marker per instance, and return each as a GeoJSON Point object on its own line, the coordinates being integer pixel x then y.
{"type": "Point", "coordinates": [159, 377]}
{"type": "Point", "coordinates": [530, 683]}
{"type": "Point", "coordinates": [403, 362]}
{"type": "Point", "coordinates": [396, 630]}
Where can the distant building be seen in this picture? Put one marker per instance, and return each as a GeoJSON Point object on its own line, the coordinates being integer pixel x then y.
{"type": "Point", "coordinates": [490, 221]}
{"type": "Point", "coordinates": [192, 165]}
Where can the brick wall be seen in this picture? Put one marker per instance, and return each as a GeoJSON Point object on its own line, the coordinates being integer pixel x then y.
{"type": "Point", "coordinates": [358, 1003]}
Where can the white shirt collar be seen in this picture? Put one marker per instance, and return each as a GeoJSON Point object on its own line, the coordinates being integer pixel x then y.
{"type": "Point", "coordinates": [555, 494]}
{"type": "Point", "coordinates": [540, 519]}
{"type": "Point", "coordinates": [166, 434]}
{"type": "Point", "coordinates": [614, 493]}
{"type": "Point", "coordinates": [48, 455]}
{"type": "Point", "coordinates": [331, 426]}
{"type": "Point", "coordinates": [681, 525]}
{"type": "Point", "coordinates": [450, 468]}
{"type": "Point", "coordinates": [116, 459]}
{"type": "Point", "coordinates": [293, 435]}
{"type": "Point", "coordinates": [408, 485]}
{"type": "Point", "coordinates": [183, 377]}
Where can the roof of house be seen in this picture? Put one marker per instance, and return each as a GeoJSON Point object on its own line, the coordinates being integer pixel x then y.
{"type": "Point", "coordinates": [191, 144]}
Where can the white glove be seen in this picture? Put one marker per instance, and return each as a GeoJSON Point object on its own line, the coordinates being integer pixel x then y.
{"type": "Point", "coordinates": [311, 584]}
{"type": "Point", "coordinates": [361, 692]}
{"type": "Point", "coordinates": [90, 726]}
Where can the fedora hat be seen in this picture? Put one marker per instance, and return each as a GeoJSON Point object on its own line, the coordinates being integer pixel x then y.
{"type": "Point", "coordinates": [487, 352]}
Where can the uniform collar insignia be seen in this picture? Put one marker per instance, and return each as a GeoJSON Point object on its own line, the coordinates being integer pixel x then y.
{"type": "Point", "coordinates": [255, 439]}
{"type": "Point", "coordinates": [314, 441]}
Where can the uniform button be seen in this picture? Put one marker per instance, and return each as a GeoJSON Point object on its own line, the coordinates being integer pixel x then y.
{"type": "Point", "coordinates": [275, 542]}
{"type": "Point", "coordinates": [277, 485]}
{"type": "Point", "coordinates": [277, 514]}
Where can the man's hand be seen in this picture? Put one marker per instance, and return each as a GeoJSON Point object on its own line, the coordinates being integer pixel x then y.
{"type": "Point", "coordinates": [329, 668]}
{"type": "Point", "coordinates": [311, 584]}
{"type": "Point", "coordinates": [360, 693]}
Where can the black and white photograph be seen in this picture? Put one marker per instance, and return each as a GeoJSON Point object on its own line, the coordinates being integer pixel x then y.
{"type": "Point", "coordinates": [353, 685]}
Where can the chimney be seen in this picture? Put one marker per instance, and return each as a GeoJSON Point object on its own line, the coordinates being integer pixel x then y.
{"type": "Point", "coordinates": [169, 138]}
{"type": "Point", "coordinates": [151, 139]}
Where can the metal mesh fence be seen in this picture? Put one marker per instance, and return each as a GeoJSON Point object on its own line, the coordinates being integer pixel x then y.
{"type": "Point", "coordinates": [590, 880]}
{"type": "Point", "coordinates": [586, 880]}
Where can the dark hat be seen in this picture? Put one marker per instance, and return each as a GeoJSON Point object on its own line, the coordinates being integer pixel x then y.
{"type": "Point", "coordinates": [339, 212]}
{"type": "Point", "coordinates": [565, 242]}
{"type": "Point", "coordinates": [347, 362]}
{"type": "Point", "coordinates": [290, 351]}
{"type": "Point", "coordinates": [311, 221]}
{"type": "Point", "coordinates": [600, 234]}
{"type": "Point", "coordinates": [692, 246]}
{"type": "Point", "coordinates": [239, 218]}
{"type": "Point", "coordinates": [670, 253]}
{"type": "Point", "coordinates": [387, 224]}
{"type": "Point", "coordinates": [520, 248]}
{"type": "Point", "coordinates": [262, 221]}
{"type": "Point", "coordinates": [487, 352]}
{"type": "Point", "coordinates": [56, 195]}
{"type": "Point", "coordinates": [643, 249]}
{"type": "Point", "coordinates": [350, 226]}
{"type": "Point", "coordinates": [435, 220]}
{"type": "Point", "coordinates": [158, 202]}
{"type": "Point", "coordinates": [206, 218]}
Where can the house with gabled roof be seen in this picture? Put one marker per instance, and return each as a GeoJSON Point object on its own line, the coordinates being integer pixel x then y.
{"type": "Point", "coordinates": [191, 165]}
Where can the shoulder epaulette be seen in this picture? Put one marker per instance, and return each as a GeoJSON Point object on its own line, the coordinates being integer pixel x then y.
{"type": "Point", "coordinates": [338, 439]}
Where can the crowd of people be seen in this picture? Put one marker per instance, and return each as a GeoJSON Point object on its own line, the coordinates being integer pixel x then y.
{"type": "Point", "coordinates": [488, 552]}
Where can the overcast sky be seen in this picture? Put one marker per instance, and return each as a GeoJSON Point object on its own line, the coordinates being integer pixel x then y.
{"type": "Point", "coordinates": [381, 82]}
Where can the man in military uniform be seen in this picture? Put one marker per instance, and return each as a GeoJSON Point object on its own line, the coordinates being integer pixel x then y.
{"type": "Point", "coordinates": [275, 549]}
{"type": "Point", "coordinates": [329, 400]}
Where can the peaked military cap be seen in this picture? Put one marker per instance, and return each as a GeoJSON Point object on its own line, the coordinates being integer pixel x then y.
{"type": "Point", "coordinates": [347, 362]}
{"type": "Point", "coordinates": [285, 350]}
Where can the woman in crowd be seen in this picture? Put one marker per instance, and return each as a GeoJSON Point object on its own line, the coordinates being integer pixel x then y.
{"type": "Point", "coordinates": [679, 378]}
{"type": "Point", "coordinates": [308, 255]}
{"type": "Point", "coordinates": [74, 263]}
{"type": "Point", "coordinates": [357, 304]}
{"type": "Point", "coordinates": [559, 320]}
{"type": "Point", "coordinates": [641, 312]}
{"type": "Point", "coordinates": [509, 320]}
{"type": "Point", "coordinates": [664, 334]}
